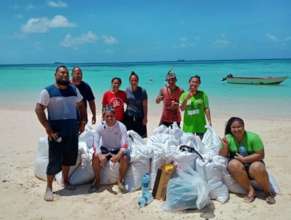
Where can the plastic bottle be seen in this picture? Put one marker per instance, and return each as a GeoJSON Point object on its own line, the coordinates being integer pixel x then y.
{"type": "Point", "coordinates": [242, 151]}
{"type": "Point", "coordinates": [146, 196]}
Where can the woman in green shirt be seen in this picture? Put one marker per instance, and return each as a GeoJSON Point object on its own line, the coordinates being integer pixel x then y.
{"type": "Point", "coordinates": [246, 152]}
{"type": "Point", "coordinates": [195, 105]}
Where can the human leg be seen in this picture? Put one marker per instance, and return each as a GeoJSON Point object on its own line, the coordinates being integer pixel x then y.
{"type": "Point", "coordinates": [259, 173]}
{"type": "Point", "coordinates": [239, 173]}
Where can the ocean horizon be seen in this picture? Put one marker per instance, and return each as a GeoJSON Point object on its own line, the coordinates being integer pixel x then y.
{"type": "Point", "coordinates": [20, 84]}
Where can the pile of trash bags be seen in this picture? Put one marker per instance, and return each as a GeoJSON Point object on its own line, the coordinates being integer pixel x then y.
{"type": "Point", "coordinates": [201, 174]}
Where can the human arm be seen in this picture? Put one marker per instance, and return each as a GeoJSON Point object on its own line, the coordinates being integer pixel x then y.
{"type": "Point", "coordinates": [184, 99]}
{"type": "Point", "coordinates": [123, 144]}
{"type": "Point", "coordinates": [257, 156]}
{"type": "Point", "coordinates": [223, 151]}
{"type": "Point", "coordinates": [145, 108]}
{"type": "Point", "coordinates": [207, 109]}
{"type": "Point", "coordinates": [40, 112]}
{"type": "Point", "coordinates": [92, 106]}
{"type": "Point", "coordinates": [160, 97]}
{"type": "Point", "coordinates": [208, 116]}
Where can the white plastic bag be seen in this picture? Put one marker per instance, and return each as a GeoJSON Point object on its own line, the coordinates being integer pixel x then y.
{"type": "Point", "coordinates": [135, 173]}
{"type": "Point", "coordinates": [211, 141]}
{"type": "Point", "coordinates": [212, 173]}
{"type": "Point", "coordinates": [186, 190]}
{"type": "Point", "coordinates": [109, 173]}
{"type": "Point", "coordinates": [41, 160]}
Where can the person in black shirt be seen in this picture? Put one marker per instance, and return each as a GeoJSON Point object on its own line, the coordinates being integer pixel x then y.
{"type": "Point", "coordinates": [85, 91]}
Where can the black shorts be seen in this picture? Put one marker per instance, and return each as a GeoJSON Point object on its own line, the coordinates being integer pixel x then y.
{"type": "Point", "coordinates": [104, 150]}
{"type": "Point", "coordinates": [61, 154]}
{"type": "Point", "coordinates": [168, 124]}
{"type": "Point", "coordinates": [136, 124]}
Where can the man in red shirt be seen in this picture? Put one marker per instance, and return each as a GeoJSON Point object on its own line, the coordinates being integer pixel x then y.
{"type": "Point", "coordinates": [115, 98]}
{"type": "Point", "coordinates": [170, 96]}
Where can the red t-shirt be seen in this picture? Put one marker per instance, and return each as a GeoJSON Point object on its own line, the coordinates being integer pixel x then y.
{"type": "Point", "coordinates": [170, 114]}
{"type": "Point", "coordinates": [116, 101]}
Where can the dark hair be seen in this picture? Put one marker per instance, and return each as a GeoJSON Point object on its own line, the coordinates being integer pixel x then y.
{"type": "Point", "coordinates": [76, 67]}
{"type": "Point", "coordinates": [61, 66]}
{"type": "Point", "coordinates": [195, 76]}
{"type": "Point", "coordinates": [116, 78]}
{"type": "Point", "coordinates": [229, 123]}
{"type": "Point", "coordinates": [133, 74]}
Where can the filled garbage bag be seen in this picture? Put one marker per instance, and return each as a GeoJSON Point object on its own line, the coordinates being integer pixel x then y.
{"type": "Point", "coordinates": [186, 190]}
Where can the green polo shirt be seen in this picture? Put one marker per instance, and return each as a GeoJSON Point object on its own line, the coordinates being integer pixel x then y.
{"type": "Point", "coordinates": [251, 141]}
{"type": "Point", "coordinates": [194, 114]}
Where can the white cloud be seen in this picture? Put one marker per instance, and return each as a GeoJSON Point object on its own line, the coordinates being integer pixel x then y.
{"type": "Point", "coordinates": [272, 37]}
{"type": "Point", "coordinates": [108, 39]}
{"type": "Point", "coordinates": [185, 42]}
{"type": "Point", "coordinates": [57, 4]}
{"type": "Point", "coordinates": [74, 42]}
{"type": "Point", "coordinates": [43, 24]}
{"type": "Point", "coordinates": [222, 42]}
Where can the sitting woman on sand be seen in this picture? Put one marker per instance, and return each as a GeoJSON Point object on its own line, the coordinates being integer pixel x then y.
{"type": "Point", "coordinates": [245, 151]}
{"type": "Point", "coordinates": [195, 105]}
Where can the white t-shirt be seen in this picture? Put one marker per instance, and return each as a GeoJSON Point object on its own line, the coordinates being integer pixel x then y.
{"type": "Point", "coordinates": [112, 138]}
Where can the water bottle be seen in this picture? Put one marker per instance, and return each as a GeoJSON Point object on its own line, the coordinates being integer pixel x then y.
{"type": "Point", "coordinates": [243, 151]}
{"type": "Point", "coordinates": [146, 196]}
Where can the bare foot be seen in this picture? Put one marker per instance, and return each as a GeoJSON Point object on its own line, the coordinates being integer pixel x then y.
{"type": "Point", "coordinates": [48, 195]}
{"type": "Point", "coordinates": [251, 196]}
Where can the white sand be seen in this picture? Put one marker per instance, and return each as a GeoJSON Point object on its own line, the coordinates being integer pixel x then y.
{"type": "Point", "coordinates": [22, 193]}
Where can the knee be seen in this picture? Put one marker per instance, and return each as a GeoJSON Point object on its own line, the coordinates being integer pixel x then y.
{"type": "Point", "coordinates": [235, 166]}
{"type": "Point", "coordinates": [124, 159]}
{"type": "Point", "coordinates": [257, 168]}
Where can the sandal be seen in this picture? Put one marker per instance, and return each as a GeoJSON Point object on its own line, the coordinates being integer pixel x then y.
{"type": "Point", "coordinates": [270, 199]}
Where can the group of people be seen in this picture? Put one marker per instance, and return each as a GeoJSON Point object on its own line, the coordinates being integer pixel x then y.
{"type": "Point", "coordinates": [66, 103]}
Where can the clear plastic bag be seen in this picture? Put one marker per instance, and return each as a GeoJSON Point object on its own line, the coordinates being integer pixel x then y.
{"type": "Point", "coordinates": [186, 190]}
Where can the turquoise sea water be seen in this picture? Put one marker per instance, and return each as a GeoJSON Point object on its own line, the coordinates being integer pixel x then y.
{"type": "Point", "coordinates": [20, 84]}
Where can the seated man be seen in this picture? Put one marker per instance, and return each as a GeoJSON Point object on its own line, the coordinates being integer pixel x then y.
{"type": "Point", "coordinates": [110, 143]}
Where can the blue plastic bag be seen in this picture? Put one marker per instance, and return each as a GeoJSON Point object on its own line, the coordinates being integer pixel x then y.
{"type": "Point", "coordinates": [186, 190]}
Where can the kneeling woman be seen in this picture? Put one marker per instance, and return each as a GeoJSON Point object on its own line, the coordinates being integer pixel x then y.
{"type": "Point", "coordinates": [246, 153]}
{"type": "Point", "coordinates": [110, 143]}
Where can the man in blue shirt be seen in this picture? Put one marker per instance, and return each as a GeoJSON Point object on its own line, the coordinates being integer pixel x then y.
{"type": "Point", "coordinates": [62, 125]}
{"type": "Point", "coordinates": [86, 92]}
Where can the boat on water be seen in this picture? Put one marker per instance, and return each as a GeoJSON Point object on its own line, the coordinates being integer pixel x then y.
{"type": "Point", "coordinates": [254, 80]}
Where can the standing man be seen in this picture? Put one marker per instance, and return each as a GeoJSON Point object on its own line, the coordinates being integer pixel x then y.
{"type": "Point", "coordinates": [170, 95]}
{"type": "Point", "coordinates": [86, 92]}
{"type": "Point", "coordinates": [62, 101]}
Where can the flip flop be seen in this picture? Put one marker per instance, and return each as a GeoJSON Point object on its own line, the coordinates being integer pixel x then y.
{"type": "Point", "coordinates": [270, 199]}
{"type": "Point", "coordinates": [93, 188]}
{"type": "Point", "coordinates": [122, 188]}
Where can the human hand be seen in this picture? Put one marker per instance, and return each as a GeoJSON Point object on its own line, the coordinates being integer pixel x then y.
{"type": "Point", "coordinates": [189, 96]}
{"type": "Point", "coordinates": [51, 134]}
{"type": "Point", "coordinates": [93, 119]}
{"type": "Point", "coordinates": [102, 159]}
{"type": "Point", "coordinates": [224, 142]}
{"type": "Point", "coordinates": [145, 121]}
{"type": "Point", "coordinates": [239, 157]}
{"type": "Point", "coordinates": [115, 158]}
{"type": "Point", "coordinates": [82, 127]}
{"type": "Point", "coordinates": [160, 98]}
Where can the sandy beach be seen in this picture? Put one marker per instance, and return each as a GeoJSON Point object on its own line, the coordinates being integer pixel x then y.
{"type": "Point", "coordinates": [22, 193]}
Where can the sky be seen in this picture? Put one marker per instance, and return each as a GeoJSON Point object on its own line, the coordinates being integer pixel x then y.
{"type": "Point", "coordinates": [36, 31]}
